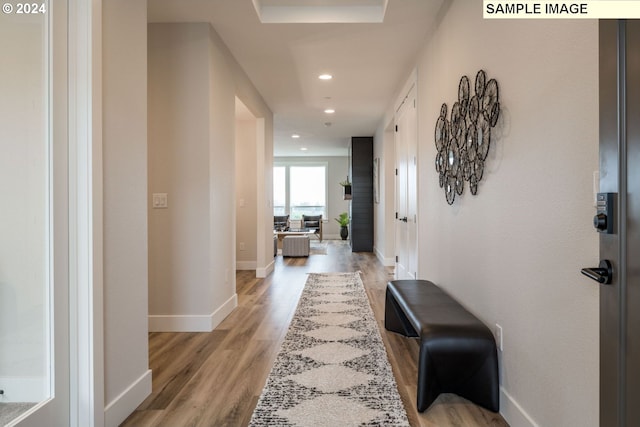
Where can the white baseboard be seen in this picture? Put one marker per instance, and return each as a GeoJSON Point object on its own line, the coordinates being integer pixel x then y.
{"type": "Point", "coordinates": [387, 262]}
{"type": "Point", "coordinates": [192, 323]}
{"type": "Point", "coordinates": [512, 412]}
{"type": "Point", "coordinates": [246, 265]}
{"type": "Point", "coordinates": [264, 272]}
{"type": "Point", "coordinates": [122, 406]}
{"type": "Point", "coordinates": [24, 389]}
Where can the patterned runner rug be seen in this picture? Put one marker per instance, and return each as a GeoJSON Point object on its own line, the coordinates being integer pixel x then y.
{"type": "Point", "coordinates": [332, 368]}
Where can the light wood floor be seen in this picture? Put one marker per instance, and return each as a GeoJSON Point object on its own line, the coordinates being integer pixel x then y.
{"type": "Point", "coordinates": [215, 379]}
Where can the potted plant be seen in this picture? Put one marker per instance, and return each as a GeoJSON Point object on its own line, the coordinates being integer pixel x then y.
{"type": "Point", "coordinates": [343, 220]}
{"type": "Point", "coordinates": [346, 185]}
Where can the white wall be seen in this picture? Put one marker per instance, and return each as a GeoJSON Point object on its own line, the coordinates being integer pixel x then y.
{"type": "Point", "coordinates": [337, 169]}
{"type": "Point", "coordinates": [512, 254]}
{"type": "Point", "coordinates": [181, 280]}
{"type": "Point", "coordinates": [222, 192]}
{"type": "Point", "coordinates": [193, 84]}
{"type": "Point", "coordinates": [179, 166]}
{"type": "Point", "coordinates": [127, 378]}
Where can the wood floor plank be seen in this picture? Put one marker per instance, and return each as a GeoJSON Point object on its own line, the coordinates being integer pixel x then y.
{"type": "Point", "coordinates": [171, 374]}
{"type": "Point", "coordinates": [215, 379]}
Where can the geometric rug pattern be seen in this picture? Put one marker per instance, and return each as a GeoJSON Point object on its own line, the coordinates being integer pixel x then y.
{"type": "Point", "coordinates": [332, 368]}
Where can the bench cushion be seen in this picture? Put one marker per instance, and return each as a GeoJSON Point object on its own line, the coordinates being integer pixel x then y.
{"type": "Point", "coordinates": [457, 351]}
{"type": "Point", "coordinates": [432, 312]}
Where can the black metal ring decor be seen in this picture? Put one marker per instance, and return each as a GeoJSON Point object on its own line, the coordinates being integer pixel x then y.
{"type": "Point", "coordinates": [463, 141]}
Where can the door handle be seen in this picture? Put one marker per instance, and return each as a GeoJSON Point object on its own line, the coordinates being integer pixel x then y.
{"type": "Point", "coordinates": [603, 274]}
{"type": "Point", "coordinates": [403, 219]}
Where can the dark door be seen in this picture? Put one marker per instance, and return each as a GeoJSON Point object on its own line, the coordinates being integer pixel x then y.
{"type": "Point", "coordinates": [617, 220]}
{"type": "Point", "coordinates": [362, 194]}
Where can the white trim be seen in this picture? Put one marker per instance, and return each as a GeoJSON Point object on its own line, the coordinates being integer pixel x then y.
{"type": "Point", "coordinates": [122, 406]}
{"type": "Point", "coordinates": [246, 265]}
{"type": "Point", "coordinates": [85, 183]}
{"type": "Point", "coordinates": [387, 262]}
{"type": "Point", "coordinates": [94, 347]}
{"type": "Point", "coordinates": [513, 413]}
{"type": "Point", "coordinates": [264, 272]}
{"type": "Point", "coordinates": [192, 323]}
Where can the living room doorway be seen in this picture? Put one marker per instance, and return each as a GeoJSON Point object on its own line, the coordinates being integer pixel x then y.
{"type": "Point", "coordinates": [246, 244]}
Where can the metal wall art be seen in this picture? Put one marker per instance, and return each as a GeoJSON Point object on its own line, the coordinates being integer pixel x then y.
{"type": "Point", "coordinates": [463, 141]}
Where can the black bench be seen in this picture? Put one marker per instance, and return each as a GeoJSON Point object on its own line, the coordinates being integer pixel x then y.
{"type": "Point", "coordinates": [457, 351]}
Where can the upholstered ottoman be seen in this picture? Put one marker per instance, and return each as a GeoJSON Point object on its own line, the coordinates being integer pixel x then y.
{"type": "Point", "coordinates": [295, 246]}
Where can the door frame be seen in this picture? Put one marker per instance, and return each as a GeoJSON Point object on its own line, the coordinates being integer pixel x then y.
{"type": "Point", "coordinates": [410, 151]}
{"type": "Point", "coordinates": [401, 202]}
{"type": "Point", "coordinates": [78, 308]}
{"type": "Point", "coordinates": [619, 94]}
{"type": "Point", "coordinates": [86, 234]}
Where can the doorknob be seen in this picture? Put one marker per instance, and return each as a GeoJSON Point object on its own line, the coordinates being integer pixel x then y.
{"type": "Point", "coordinates": [603, 274]}
{"type": "Point", "coordinates": [403, 219]}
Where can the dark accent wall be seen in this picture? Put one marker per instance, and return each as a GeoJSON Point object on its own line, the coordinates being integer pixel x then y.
{"type": "Point", "coordinates": [361, 233]}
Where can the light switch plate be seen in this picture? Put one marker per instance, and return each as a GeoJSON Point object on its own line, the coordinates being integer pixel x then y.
{"type": "Point", "coordinates": [160, 201]}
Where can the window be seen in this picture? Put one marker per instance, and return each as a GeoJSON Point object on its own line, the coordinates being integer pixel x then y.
{"type": "Point", "coordinates": [300, 190]}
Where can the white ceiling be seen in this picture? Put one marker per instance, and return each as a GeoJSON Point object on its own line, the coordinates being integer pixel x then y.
{"type": "Point", "coordinates": [369, 62]}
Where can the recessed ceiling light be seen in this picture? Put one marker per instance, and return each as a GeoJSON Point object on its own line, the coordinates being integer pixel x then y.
{"type": "Point", "coordinates": [325, 76]}
{"type": "Point", "coordinates": [303, 148]}
{"type": "Point", "coordinates": [329, 111]}
{"type": "Point", "coordinates": [295, 136]}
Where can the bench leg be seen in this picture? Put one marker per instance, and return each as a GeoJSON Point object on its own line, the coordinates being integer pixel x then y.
{"type": "Point", "coordinates": [470, 372]}
{"type": "Point", "coordinates": [483, 388]}
{"type": "Point", "coordinates": [428, 390]}
{"type": "Point", "coordinates": [395, 319]}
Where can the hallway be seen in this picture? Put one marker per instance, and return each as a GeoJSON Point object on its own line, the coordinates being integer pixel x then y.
{"type": "Point", "coordinates": [215, 379]}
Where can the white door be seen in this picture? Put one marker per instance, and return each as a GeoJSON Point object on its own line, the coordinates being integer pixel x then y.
{"type": "Point", "coordinates": [406, 141]}
{"type": "Point", "coordinates": [401, 270]}
{"type": "Point", "coordinates": [34, 250]}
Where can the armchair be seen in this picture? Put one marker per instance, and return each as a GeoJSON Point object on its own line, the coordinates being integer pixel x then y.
{"type": "Point", "coordinates": [313, 222]}
{"type": "Point", "coordinates": [281, 222]}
